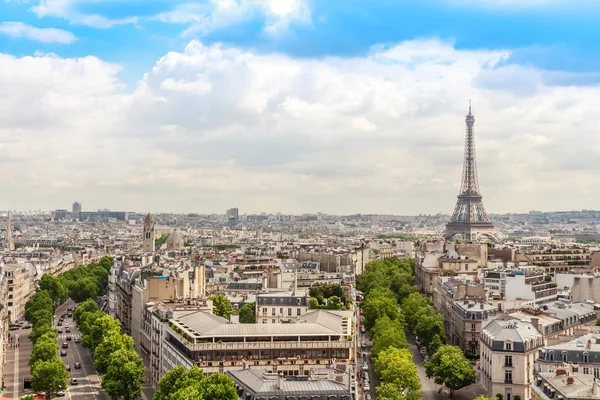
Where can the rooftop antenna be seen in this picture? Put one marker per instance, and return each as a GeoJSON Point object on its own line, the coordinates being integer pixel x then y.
{"type": "Point", "coordinates": [469, 106]}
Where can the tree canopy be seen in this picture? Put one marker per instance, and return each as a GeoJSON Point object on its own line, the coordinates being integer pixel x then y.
{"type": "Point", "coordinates": [53, 286]}
{"type": "Point", "coordinates": [124, 375]}
{"type": "Point", "coordinates": [183, 384]}
{"type": "Point", "coordinates": [449, 367]}
{"type": "Point", "coordinates": [221, 306]}
{"type": "Point", "coordinates": [248, 313]}
{"type": "Point", "coordinates": [49, 377]}
{"type": "Point", "coordinates": [395, 366]}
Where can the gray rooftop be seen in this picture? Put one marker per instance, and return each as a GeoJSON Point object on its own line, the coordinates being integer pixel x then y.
{"type": "Point", "coordinates": [258, 382]}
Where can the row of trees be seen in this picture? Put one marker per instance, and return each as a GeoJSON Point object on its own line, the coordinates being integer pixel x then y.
{"type": "Point", "coordinates": [191, 384]}
{"type": "Point", "coordinates": [48, 373]}
{"type": "Point", "coordinates": [385, 283]}
{"type": "Point", "coordinates": [114, 357]}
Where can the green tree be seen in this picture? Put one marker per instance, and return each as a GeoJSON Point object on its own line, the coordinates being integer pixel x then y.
{"type": "Point", "coordinates": [411, 307]}
{"type": "Point", "coordinates": [53, 286]}
{"type": "Point", "coordinates": [450, 368]}
{"type": "Point", "coordinates": [218, 387]}
{"type": "Point", "coordinates": [387, 333]}
{"type": "Point", "coordinates": [388, 391]}
{"type": "Point", "coordinates": [100, 328]}
{"type": "Point", "coordinates": [106, 262]}
{"type": "Point", "coordinates": [598, 322]}
{"type": "Point", "coordinates": [248, 313]}
{"type": "Point", "coordinates": [485, 397]}
{"type": "Point", "coordinates": [111, 343]}
{"type": "Point", "coordinates": [41, 315]}
{"type": "Point", "coordinates": [39, 301]}
{"type": "Point", "coordinates": [124, 376]}
{"type": "Point", "coordinates": [176, 379]}
{"type": "Point", "coordinates": [40, 328]}
{"type": "Point", "coordinates": [49, 377]}
{"type": "Point", "coordinates": [221, 306]}
{"type": "Point", "coordinates": [84, 288]}
{"type": "Point", "coordinates": [43, 351]}
{"type": "Point", "coordinates": [377, 304]}
{"type": "Point", "coordinates": [86, 321]}
{"type": "Point", "coordinates": [430, 323]}
{"type": "Point", "coordinates": [396, 366]}
{"type": "Point", "coordinates": [87, 306]}
{"type": "Point", "coordinates": [435, 345]}
{"type": "Point", "coordinates": [313, 303]}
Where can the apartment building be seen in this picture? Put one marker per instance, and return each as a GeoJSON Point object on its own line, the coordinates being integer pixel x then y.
{"type": "Point", "coordinates": [21, 286]}
{"type": "Point", "coordinates": [582, 352]}
{"type": "Point", "coordinates": [260, 384]}
{"type": "Point", "coordinates": [274, 308]}
{"type": "Point", "coordinates": [535, 287]}
{"type": "Point", "coordinates": [565, 383]}
{"type": "Point", "coordinates": [467, 319]}
{"type": "Point", "coordinates": [509, 349]}
{"type": "Point", "coordinates": [319, 340]}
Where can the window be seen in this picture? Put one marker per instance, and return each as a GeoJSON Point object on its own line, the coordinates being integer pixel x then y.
{"type": "Point", "coordinates": [586, 370]}
{"type": "Point", "coordinates": [264, 321]}
{"type": "Point", "coordinates": [508, 346]}
{"type": "Point", "coordinates": [551, 356]}
{"type": "Point", "coordinates": [289, 311]}
{"type": "Point", "coordinates": [586, 358]}
{"type": "Point", "coordinates": [473, 327]}
{"type": "Point", "coordinates": [273, 311]}
{"type": "Point", "coordinates": [273, 321]}
{"type": "Point", "coordinates": [264, 310]}
{"type": "Point", "coordinates": [597, 373]}
{"type": "Point", "coordinates": [508, 361]}
{"type": "Point", "coordinates": [10, 303]}
{"type": "Point", "coordinates": [564, 356]}
{"type": "Point", "coordinates": [507, 376]}
{"type": "Point", "coordinates": [298, 311]}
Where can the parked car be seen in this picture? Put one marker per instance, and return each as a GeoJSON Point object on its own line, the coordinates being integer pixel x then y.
{"type": "Point", "coordinates": [363, 330]}
{"type": "Point", "coordinates": [68, 367]}
{"type": "Point", "coordinates": [365, 367]}
{"type": "Point", "coordinates": [60, 394]}
{"type": "Point", "coordinates": [74, 381]}
{"type": "Point", "coordinates": [367, 387]}
{"type": "Point", "coordinates": [63, 353]}
{"type": "Point", "coordinates": [368, 396]}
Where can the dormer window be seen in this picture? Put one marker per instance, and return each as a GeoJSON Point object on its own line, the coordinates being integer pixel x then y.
{"type": "Point", "coordinates": [586, 358]}
{"type": "Point", "coordinates": [564, 356]}
{"type": "Point", "coordinates": [508, 346]}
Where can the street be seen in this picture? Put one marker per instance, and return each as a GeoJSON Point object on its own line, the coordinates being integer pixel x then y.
{"type": "Point", "coordinates": [88, 381]}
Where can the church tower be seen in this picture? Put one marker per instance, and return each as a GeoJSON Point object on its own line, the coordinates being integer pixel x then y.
{"type": "Point", "coordinates": [9, 241]}
{"type": "Point", "coordinates": [148, 242]}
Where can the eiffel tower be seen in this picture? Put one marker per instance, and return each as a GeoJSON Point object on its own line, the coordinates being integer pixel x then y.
{"type": "Point", "coordinates": [469, 220]}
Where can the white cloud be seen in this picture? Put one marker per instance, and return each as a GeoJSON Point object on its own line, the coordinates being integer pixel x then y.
{"type": "Point", "coordinates": [212, 126]}
{"type": "Point", "coordinates": [44, 35]}
{"type": "Point", "coordinates": [68, 10]}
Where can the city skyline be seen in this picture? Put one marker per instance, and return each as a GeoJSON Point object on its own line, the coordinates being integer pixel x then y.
{"type": "Point", "coordinates": [292, 106]}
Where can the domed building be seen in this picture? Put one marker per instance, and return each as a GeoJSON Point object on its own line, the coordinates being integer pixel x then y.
{"type": "Point", "coordinates": [175, 241]}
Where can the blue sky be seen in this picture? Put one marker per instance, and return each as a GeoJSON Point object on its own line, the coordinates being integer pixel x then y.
{"type": "Point", "coordinates": [338, 106]}
{"type": "Point", "coordinates": [548, 34]}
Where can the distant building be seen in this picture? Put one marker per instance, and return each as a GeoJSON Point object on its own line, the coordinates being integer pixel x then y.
{"type": "Point", "coordinates": [9, 241]}
{"type": "Point", "coordinates": [280, 307]}
{"type": "Point", "coordinates": [99, 215]}
{"type": "Point", "coordinates": [148, 239]}
{"type": "Point", "coordinates": [76, 209]}
{"type": "Point", "coordinates": [566, 383]}
{"type": "Point", "coordinates": [175, 241]}
{"type": "Point", "coordinates": [233, 217]}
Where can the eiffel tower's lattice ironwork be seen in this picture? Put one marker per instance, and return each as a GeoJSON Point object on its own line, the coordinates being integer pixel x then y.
{"type": "Point", "coordinates": [469, 220]}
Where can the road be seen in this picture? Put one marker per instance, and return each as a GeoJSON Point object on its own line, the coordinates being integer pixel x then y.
{"type": "Point", "coordinates": [17, 367]}
{"type": "Point", "coordinates": [88, 386]}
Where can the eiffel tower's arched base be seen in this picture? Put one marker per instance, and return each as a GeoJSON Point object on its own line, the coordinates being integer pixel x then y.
{"type": "Point", "coordinates": [470, 232]}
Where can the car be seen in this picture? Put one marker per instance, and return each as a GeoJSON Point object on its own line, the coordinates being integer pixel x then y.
{"type": "Point", "coordinates": [366, 378]}
{"type": "Point", "coordinates": [67, 329]}
{"type": "Point", "coordinates": [68, 309]}
{"type": "Point", "coordinates": [63, 353]}
{"type": "Point", "coordinates": [65, 345]}
{"type": "Point", "coordinates": [60, 394]}
{"type": "Point", "coordinates": [77, 365]}
{"type": "Point", "coordinates": [365, 367]}
{"type": "Point", "coordinates": [74, 381]}
{"type": "Point", "coordinates": [417, 341]}
{"type": "Point", "coordinates": [59, 323]}
{"type": "Point", "coordinates": [68, 367]}
{"type": "Point", "coordinates": [69, 338]}
{"type": "Point", "coordinates": [368, 396]}
{"type": "Point", "coordinates": [364, 345]}
{"type": "Point", "coordinates": [77, 339]}
{"type": "Point", "coordinates": [27, 326]}
{"type": "Point", "coordinates": [367, 387]}
{"type": "Point", "coordinates": [363, 330]}
{"type": "Point", "coordinates": [60, 330]}
{"type": "Point", "coordinates": [69, 315]}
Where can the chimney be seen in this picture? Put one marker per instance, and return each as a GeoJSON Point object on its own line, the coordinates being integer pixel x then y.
{"type": "Point", "coordinates": [481, 306]}
{"type": "Point", "coordinates": [536, 323]}
{"type": "Point", "coordinates": [561, 371]}
{"type": "Point", "coordinates": [589, 344]}
{"type": "Point", "coordinates": [570, 380]}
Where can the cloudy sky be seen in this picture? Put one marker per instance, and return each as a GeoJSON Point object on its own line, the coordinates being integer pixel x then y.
{"type": "Point", "coordinates": [338, 106]}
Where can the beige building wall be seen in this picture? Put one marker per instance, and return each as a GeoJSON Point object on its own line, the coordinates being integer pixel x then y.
{"type": "Point", "coordinates": [19, 290]}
